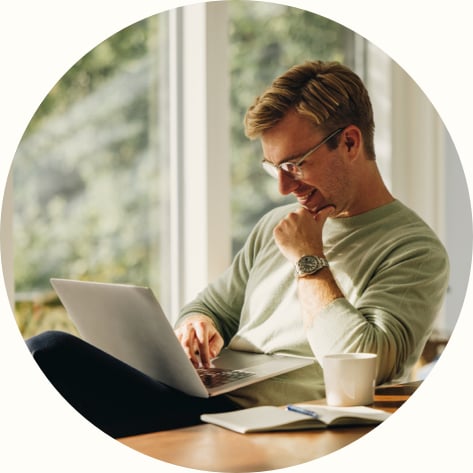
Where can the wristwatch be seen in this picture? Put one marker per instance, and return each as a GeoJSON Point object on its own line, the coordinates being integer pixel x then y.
{"type": "Point", "coordinates": [309, 265]}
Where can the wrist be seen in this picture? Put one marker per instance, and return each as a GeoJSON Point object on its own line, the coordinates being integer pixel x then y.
{"type": "Point", "coordinates": [308, 265]}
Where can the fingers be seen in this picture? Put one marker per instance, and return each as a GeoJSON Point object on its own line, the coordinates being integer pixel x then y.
{"type": "Point", "coordinates": [324, 213]}
{"type": "Point", "coordinates": [189, 343]}
{"type": "Point", "coordinates": [201, 333]}
{"type": "Point", "coordinates": [319, 215]}
{"type": "Point", "coordinates": [200, 340]}
{"type": "Point", "coordinates": [300, 233]}
{"type": "Point", "coordinates": [215, 344]}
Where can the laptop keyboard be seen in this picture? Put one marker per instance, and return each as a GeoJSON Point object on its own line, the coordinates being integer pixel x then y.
{"type": "Point", "coordinates": [213, 377]}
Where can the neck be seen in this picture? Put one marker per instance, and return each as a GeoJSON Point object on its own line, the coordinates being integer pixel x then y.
{"type": "Point", "coordinates": [377, 195]}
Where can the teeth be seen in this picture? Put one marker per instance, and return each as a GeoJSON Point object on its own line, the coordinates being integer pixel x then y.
{"type": "Point", "coordinates": [305, 197]}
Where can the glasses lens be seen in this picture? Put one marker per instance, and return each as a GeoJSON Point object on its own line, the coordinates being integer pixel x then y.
{"type": "Point", "coordinates": [271, 169]}
{"type": "Point", "coordinates": [290, 168]}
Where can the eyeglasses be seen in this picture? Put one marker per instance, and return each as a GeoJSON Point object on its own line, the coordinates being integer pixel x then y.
{"type": "Point", "coordinates": [294, 169]}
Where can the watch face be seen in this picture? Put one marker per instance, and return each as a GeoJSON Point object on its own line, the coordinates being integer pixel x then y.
{"type": "Point", "coordinates": [310, 265]}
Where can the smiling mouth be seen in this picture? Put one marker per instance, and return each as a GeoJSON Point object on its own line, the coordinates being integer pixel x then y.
{"type": "Point", "coordinates": [313, 207]}
{"type": "Point", "coordinates": [305, 198]}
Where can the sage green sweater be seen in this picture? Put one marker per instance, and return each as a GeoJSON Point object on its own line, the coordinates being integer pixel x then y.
{"type": "Point", "coordinates": [388, 263]}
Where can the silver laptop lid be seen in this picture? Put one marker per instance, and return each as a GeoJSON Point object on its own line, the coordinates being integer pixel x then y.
{"type": "Point", "coordinates": [128, 322]}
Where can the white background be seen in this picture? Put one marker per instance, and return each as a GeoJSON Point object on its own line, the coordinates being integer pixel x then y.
{"type": "Point", "coordinates": [40, 41]}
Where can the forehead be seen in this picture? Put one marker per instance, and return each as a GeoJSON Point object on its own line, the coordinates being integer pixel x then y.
{"type": "Point", "coordinates": [290, 138]}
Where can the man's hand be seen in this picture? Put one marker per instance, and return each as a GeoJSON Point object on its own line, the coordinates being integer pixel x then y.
{"type": "Point", "coordinates": [300, 233]}
{"type": "Point", "coordinates": [200, 339]}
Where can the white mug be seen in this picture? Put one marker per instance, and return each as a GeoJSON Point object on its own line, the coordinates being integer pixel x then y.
{"type": "Point", "coordinates": [350, 378]}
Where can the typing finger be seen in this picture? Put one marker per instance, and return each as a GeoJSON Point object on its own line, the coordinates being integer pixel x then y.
{"type": "Point", "coordinates": [187, 337]}
{"type": "Point", "coordinates": [202, 336]}
{"type": "Point", "coordinates": [215, 344]}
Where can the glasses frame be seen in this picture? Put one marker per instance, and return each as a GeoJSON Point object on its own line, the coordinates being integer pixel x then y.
{"type": "Point", "coordinates": [291, 168]}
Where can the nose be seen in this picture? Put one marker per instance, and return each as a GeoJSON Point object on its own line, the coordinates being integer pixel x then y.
{"type": "Point", "coordinates": [287, 183]}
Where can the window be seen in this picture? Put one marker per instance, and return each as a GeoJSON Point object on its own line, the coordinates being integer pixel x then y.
{"type": "Point", "coordinates": [102, 188]}
{"type": "Point", "coordinates": [89, 177]}
{"type": "Point", "coordinates": [136, 169]}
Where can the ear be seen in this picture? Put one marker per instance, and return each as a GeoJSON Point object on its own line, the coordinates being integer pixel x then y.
{"type": "Point", "coordinates": [349, 143]}
{"type": "Point", "coordinates": [352, 140]}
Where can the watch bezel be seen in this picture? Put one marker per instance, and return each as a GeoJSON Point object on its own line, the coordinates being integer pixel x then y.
{"type": "Point", "coordinates": [310, 264]}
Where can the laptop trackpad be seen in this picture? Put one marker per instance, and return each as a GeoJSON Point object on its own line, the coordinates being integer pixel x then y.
{"type": "Point", "coordinates": [237, 360]}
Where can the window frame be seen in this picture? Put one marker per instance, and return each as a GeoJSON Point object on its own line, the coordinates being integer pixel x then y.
{"type": "Point", "coordinates": [199, 137]}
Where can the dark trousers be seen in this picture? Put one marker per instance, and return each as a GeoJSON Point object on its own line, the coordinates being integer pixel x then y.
{"type": "Point", "coordinates": [112, 395]}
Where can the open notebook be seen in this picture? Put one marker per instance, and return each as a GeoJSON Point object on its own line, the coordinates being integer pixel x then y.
{"type": "Point", "coordinates": [271, 418]}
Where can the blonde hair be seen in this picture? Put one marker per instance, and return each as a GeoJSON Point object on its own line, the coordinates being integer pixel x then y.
{"type": "Point", "coordinates": [329, 94]}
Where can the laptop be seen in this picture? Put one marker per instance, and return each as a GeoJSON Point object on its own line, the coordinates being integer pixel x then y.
{"type": "Point", "coordinates": [128, 322]}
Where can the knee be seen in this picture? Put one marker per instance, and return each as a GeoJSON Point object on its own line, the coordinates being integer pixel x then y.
{"type": "Point", "coordinates": [49, 341]}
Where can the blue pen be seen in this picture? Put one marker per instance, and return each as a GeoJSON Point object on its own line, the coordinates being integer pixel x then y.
{"type": "Point", "coordinates": [301, 410]}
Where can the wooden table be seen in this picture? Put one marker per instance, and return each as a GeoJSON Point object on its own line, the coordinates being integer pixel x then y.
{"type": "Point", "coordinates": [211, 448]}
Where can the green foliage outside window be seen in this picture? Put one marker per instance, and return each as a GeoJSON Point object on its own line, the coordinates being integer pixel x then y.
{"type": "Point", "coordinates": [87, 188]}
{"type": "Point", "coordinates": [265, 40]}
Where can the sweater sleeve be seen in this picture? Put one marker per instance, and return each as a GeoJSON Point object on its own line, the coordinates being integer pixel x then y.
{"type": "Point", "coordinates": [394, 313]}
{"type": "Point", "coordinates": [223, 299]}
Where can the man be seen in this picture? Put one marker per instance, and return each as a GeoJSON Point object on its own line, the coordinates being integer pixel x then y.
{"type": "Point", "coordinates": [380, 272]}
{"type": "Point", "coordinates": [346, 268]}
